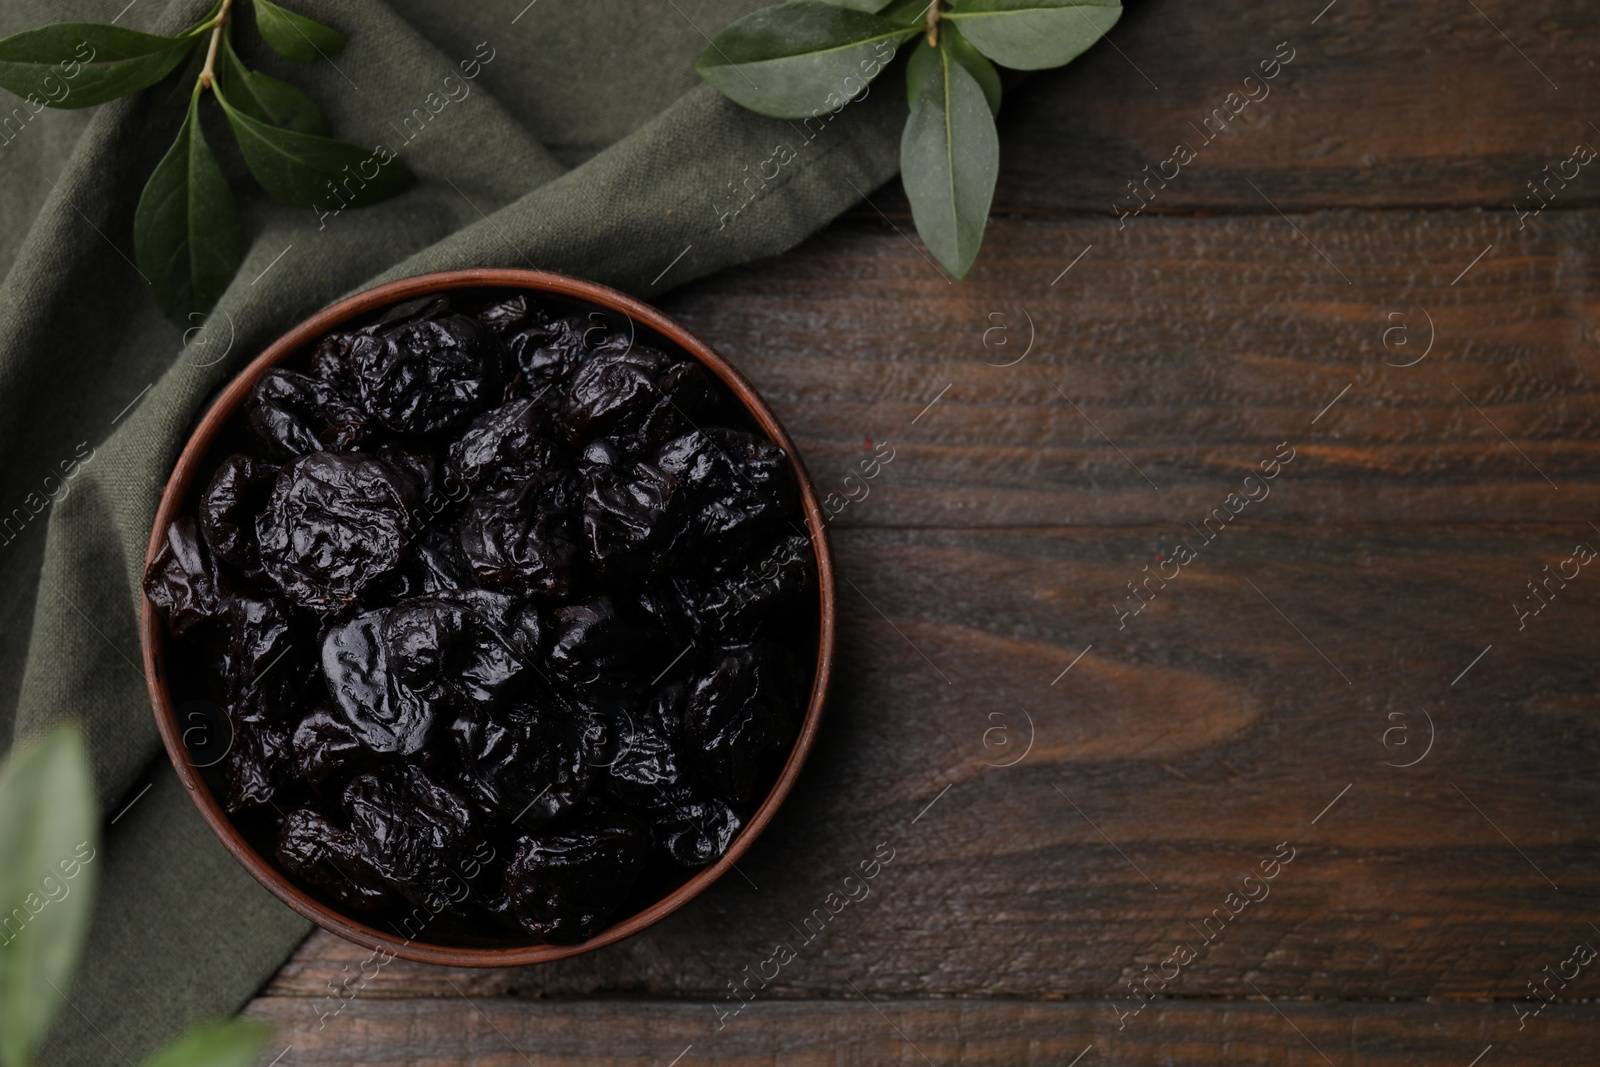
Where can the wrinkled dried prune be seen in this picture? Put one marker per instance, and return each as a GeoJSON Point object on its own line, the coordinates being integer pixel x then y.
{"type": "Point", "coordinates": [734, 484]}
{"type": "Point", "coordinates": [507, 448]}
{"type": "Point", "coordinates": [616, 381]}
{"type": "Point", "coordinates": [335, 522]}
{"type": "Point", "coordinates": [627, 523]}
{"type": "Point", "coordinates": [528, 764]}
{"type": "Point", "coordinates": [315, 850]}
{"type": "Point", "coordinates": [327, 748]}
{"type": "Point", "coordinates": [738, 714]}
{"type": "Point", "coordinates": [456, 650]}
{"type": "Point", "coordinates": [548, 353]}
{"type": "Point", "coordinates": [564, 886]}
{"type": "Point", "coordinates": [684, 400]}
{"type": "Point", "coordinates": [181, 581]}
{"type": "Point", "coordinates": [414, 832]}
{"type": "Point", "coordinates": [692, 829]}
{"type": "Point", "coordinates": [524, 540]}
{"type": "Point", "coordinates": [734, 605]}
{"type": "Point", "coordinates": [259, 763]}
{"type": "Point", "coordinates": [293, 414]}
{"type": "Point", "coordinates": [512, 313]}
{"type": "Point", "coordinates": [595, 649]}
{"type": "Point", "coordinates": [428, 371]}
{"type": "Point", "coordinates": [386, 716]}
{"type": "Point", "coordinates": [228, 509]}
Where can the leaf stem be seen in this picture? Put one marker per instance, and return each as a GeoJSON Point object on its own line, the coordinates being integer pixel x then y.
{"type": "Point", "coordinates": [207, 75]}
{"type": "Point", "coordinates": [933, 24]}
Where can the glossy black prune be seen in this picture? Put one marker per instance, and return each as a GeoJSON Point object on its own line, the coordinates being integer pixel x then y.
{"type": "Point", "coordinates": [734, 484]}
{"type": "Point", "coordinates": [564, 886]}
{"type": "Point", "coordinates": [690, 829]}
{"type": "Point", "coordinates": [414, 832]}
{"type": "Point", "coordinates": [524, 540]}
{"type": "Point", "coordinates": [317, 851]}
{"type": "Point", "coordinates": [527, 764]}
{"type": "Point", "coordinates": [427, 372]}
{"type": "Point", "coordinates": [616, 381]}
{"type": "Point", "coordinates": [334, 522]}
{"type": "Point", "coordinates": [738, 713]}
{"type": "Point", "coordinates": [293, 414]}
{"type": "Point", "coordinates": [507, 448]}
{"type": "Point", "coordinates": [228, 509]}
{"type": "Point", "coordinates": [502, 608]}
{"type": "Point", "coordinates": [181, 581]}
{"type": "Point", "coordinates": [385, 715]}
{"type": "Point", "coordinates": [629, 524]}
{"type": "Point", "coordinates": [328, 749]}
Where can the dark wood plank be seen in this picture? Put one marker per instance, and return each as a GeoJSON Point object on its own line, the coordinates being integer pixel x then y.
{"type": "Point", "coordinates": [1196, 346]}
{"type": "Point", "coordinates": [491, 1032]}
{"type": "Point", "coordinates": [1382, 104]}
{"type": "Point", "coordinates": [999, 541]}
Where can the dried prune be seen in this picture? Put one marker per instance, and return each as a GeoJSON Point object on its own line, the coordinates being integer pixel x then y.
{"type": "Point", "coordinates": [528, 764]}
{"type": "Point", "coordinates": [414, 832]}
{"type": "Point", "coordinates": [564, 886]}
{"type": "Point", "coordinates": [627, 525]}
{"type": "Point", "coordinates": [692, 829]}
{"type": "Point", "coordinates": [228, 509]}
{"type": "Point", "coordinates": [499, 608]}
{"type": "Point", "coordinates": [734, 484]}
{"type": "Point", "coordinates": [386, 716]}
{"type": "Point", "coordinates": [454, 649]}
{"type": "Point", "coordinates": [335, 522]}
{"type": "Point", "coordinates": [259, 763]}
{"type": "Point", "coordinates": [181, 581]}
{"type": "Point", "coordinates": [293, 414]}
{"type": "Point", "coordinates": [327, 748]}
{"type": "Point", "coordinates": [507, 448]}
{"type": "Point", "coordinates": [616, 381]}
{"type": "Point", "coordinates": [737, 714]}
{"type": "Point", "coordinates": [595, 649]}
{"type": "Point", "coordinates": [524, 540]}
{"type": "Point", "coordinates": [548, 353]}
{"type": "Point", "coordinates": [427, 372]}
{"type": "Point", "coordinates": [315, 850]}
{"type": "Point", "coordinates": [512, 313]}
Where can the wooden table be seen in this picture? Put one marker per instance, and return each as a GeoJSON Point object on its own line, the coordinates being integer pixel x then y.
{"type": "Point", "coordinates": [1336, 667]}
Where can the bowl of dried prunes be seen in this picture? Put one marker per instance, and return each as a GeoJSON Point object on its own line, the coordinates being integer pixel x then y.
{"type": "Point", "coordinates": [488, 617]}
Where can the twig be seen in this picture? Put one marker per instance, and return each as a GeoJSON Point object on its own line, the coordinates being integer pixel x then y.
{"type": "Point", "coordinates": [207, 74]}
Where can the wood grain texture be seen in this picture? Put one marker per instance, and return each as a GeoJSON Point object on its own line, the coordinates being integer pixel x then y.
{"type": "Point", "coordinates": [1384, 103]}
{"type": "Point", "coordinates": [852, 1033]}
{"type": "Point", "coordinates": [1071, 788]}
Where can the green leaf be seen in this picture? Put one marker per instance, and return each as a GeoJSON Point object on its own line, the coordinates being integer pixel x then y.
{"type": "Point", "coordinates": [310, 171]}
{"type": "Point", "coordinates": [949, 158]}
{"type": "Point", "coordinates": [177, 87]}
{"type": "Point", "coordinates": [80, 64]}
{"type": "Point", "coordinates": [861, 5]}
{"type": "Point", "coordinates": [907, 12]}
{"type": "Point", "coordinates": [266, 98]}
{"type": "Point", "coordinates": [234, 1043]}
{"type": "Point", "coordinates": [923, 59]}
{"type": "Point", "coordinates": [48, 827]}
{"type": "Point", "coordinates": [1034, 34]}
{"type": "Point", "coordinates": [295, 36]}
{"type": "Point", "coordinates": [186, 234]}
{"type": "Point", "coordinates": [800, 58]}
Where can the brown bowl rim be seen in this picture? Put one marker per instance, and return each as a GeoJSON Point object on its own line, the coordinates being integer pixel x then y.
{"type": "Point", "coordinates": [186, 470]}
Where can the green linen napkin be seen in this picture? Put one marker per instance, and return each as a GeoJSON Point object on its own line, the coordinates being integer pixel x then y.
{"type": "Point", "coordinates": [584, 144]}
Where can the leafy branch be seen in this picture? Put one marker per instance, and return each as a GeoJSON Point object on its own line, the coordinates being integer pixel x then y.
{"type": "Point", "coordinates": [186, 233]}
{"type": "Point", "coordinates": [805, 57]}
